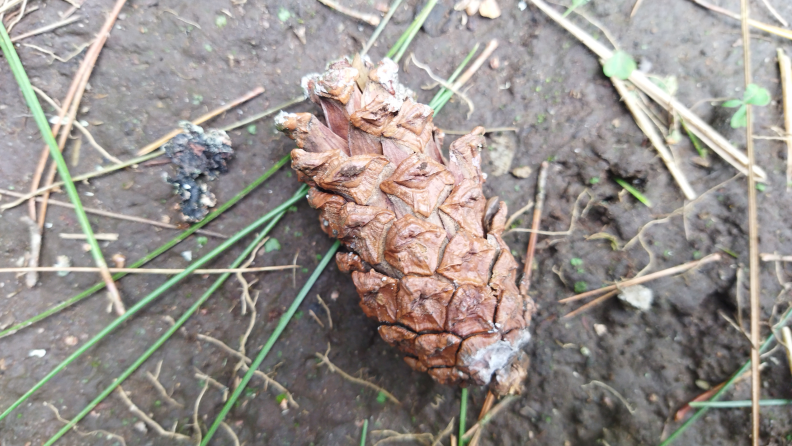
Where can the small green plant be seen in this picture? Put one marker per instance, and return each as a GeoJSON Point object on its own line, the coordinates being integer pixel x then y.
{"type": "Point", "coordinates": [754, 95]}
{"type": "Point", "coordinates": [620, 65]}
{"type": "Point", "coordinates": [575, 261]}
{"type": "Point", "coordinates": [201, 241]}
{"type": "Point", "coordinates": [635, 193]}
{"type": "Point", "coordinates": [283, 14]}
{"type": "Point", "coordinates": [272, 245]}
{"type": "Point", "coordinates": [221, 21]}
{"type": "Point", "coordinates": [594, 180]}
{"type": "Point", "coordinates": [251, 129]}
{"type": "Point", "coordinates": [581, 287]}
{"type": "Point", "coordinates": [381, 397]}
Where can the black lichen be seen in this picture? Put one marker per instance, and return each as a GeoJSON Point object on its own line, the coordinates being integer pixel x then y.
{"type": "Point", "coordinates": [197, 154]}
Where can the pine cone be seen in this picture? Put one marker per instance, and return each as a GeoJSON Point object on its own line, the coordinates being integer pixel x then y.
{"type": "Point", "coordinates": [426, 253]}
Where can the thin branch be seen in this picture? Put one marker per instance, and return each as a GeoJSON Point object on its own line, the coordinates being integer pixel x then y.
{"type": "Point", "coordinates": [589, 305]}
{"type": "Point", "coordinates": [398, 437]}
{"type": "Point", "coordinates": [654, 136]}
{"type": "Point", "coordinates": [755, 23]}
{"type": "Point", "coordinates": [487, 130]}
{"type": "Point", "coordinates": [643, 279]}
{"type": "Point", "coordinates": [147, 419]}
{"type": "Point", "coordinates": [502, 404]}
{"type": "Point", "coordinates": [518, 213]}
{"type": "Point", "coordinates": [525, 282]}
{"type": "Point", "coordinates": [101, 236]}
{"type": "Point", "coordinates": [371, 19]}
{"type": "Point", "coordinates": [333, 368]}
{"type": "Point", "coordinates": [576, 213]}
{"type": "Point", "coordinates": [31, 278]}
{"type": "Point", "coordinates": [785, 65]}
{"type": "Point", "coordinates": [704, 131]}
{"type": "Point", "coordinates": [167, 271]}
{"type": "Point", "coordinates": [766, 257]}
{"type": "Point", "coordinates": [47, 28]}
{"type": "Point", "coordinates": [220, 110]}
{"type": "Point", "coordinates": [113, 214]}
{"type": "Point", "coordinates": [80, 127]}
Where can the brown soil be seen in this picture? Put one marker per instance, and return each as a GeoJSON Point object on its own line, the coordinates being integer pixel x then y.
{"type": "Point", "coordinates": [156, 70]}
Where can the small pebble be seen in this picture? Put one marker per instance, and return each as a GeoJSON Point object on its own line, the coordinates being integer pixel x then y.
{"type": "Point", "coordinates": [490, 9]}
{"type": "Point", "coordinates": [187, 255]}
{"type": "Point", "coordinates": [703, 385]}
{"type": "Point", "coordinates": [141, 427]}
{"type": "Point", "coordinates": [334, 295]}
{"type": "Point", "coordinates": [637, 296]}
{"type": "Point", "coordinates": [494, 63]}
{"type": "Point", "coordinates": [71, 341]}
{"type": "Point", "coordinates": [38, 353]}
{"type": "Point", "coordinates": [522, 171]}
{"type": "Point", "coordinates": [600, 329]}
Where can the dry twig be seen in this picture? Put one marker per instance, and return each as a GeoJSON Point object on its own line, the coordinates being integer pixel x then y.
{"type": "Point", "coordinates": [45, 29]}
{"type": "Point", "coordinates": [755, 23]}
{"type": "Point", "coordinates": [643, 279]}
{"type": "Point", "coordinates": [114, 215]}
{"type": "Point", "coordinates": [398, 437]}
{"type": "Point", "coordinates": [766, 257]}
{"type": "Point", "coordinates": [231, 433]}
{"type": "Point", "coordinates": [489, 416]}
{"type": "Point", "coordinates": [717, 142]}
{"type": "Point", "coordinates": [753, 234]}
{"type": "Point", "coordinates": [167, 271]}
{"type": "Point", "coordinates": [451, 87]}
{"type": "Point", "coordinates": [785, 65]}
{"type": "Point", "coordinates": [196, 424]}
{"type": "Point", "coordinates": [371, 19]}
{"type": "Point", "coordinates": [31, 278]}
{"type": "Point", "coordinates": [654, 136]}
{"type": "Point", "coordinates": [525, 282]}
{"type": "Point", "coordinates": [223, 388]}
{"type": "Point", "coordinates": [333, 368]}
{"type": "Point", "coordinates": [201, 119]}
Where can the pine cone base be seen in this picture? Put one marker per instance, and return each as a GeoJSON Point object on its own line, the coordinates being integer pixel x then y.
{"type": "Point", "coordinates": [426, 253]}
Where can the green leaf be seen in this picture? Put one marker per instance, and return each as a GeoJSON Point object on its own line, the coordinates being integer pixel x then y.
{"type": "Point", "coordinates": [202, 241]}
{"type": "Point", "coordinates": [283, 14]}
{"type": "Point", "coordinates": [280, 398]}
{"type": "Point", "coordinates": [272, 245]}
{"type": "Point", "coordinates": [581, 287]}
{"type": "Point", "coordinates": [756, 95]}
{"type": "Point", "coordinates": [739, 118]}
{"type": "Point", "coordinates": [221, 21]}
{"type": "Point", "coordinates": [620, 65]}
{"type": "Point", "coordinates": [251, 129]}
{"type": "Point", "coordinates": [575, 261]}
{"type": "Point", "coordinates": [761, 187]}
{"type": "Point", "coordinates": [731, 103]}
{"type": "Point", "coordinates": [381, 397]}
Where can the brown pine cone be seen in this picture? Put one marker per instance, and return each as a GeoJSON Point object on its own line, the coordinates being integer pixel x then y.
{"type": "Point", "coordinates": [427, 257]}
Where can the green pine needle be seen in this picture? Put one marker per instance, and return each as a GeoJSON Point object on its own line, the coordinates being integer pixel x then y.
{"type": "Point", "coordinates": [635, 193]}
{"type": "Point", "coordinates": [737, 404]}
{"type": "Point", "coordinates": [363, 434]}
{"type": "Point", "coordinates": [148, 257]}
{"type": "Point", "coordinates": [153, 295]}
{"type": "Point", "coordinates": [161, 341]}
{"type": "Point", "coordinates": [46, 133]}
{"type": "Point", "coordinates": [404, 41]}
{"type": "Point", "coordinates": [463, 415]}
{"type": "Point", "coordinates": [284, 321]}
{"type": "Point", "coordinates": [699, 413]}
{"type": "Point", "coordinates": [442, 97]}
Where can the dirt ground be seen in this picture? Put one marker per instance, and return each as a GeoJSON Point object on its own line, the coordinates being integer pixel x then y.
{"type": "Point", "coordinates": [177, 59]}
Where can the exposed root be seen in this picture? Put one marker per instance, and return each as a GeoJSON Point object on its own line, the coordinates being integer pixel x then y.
{"type": "Point", "coordinates": [268, 381]}
{"type": "Point", "coordinates": [327, 310]}
{"type": "Point", "coordinates": [610, 389]}
{"type": "Point", "coordinates": [231, 433]}
{"type": "Point", "coordinates": [224, 347]}
{"type": "Point", "coordinates": [576, 214]}
{"type": "Point", "coordinates": [203, 376]}
{"type": "Point", "coordinates": [85, 434]}
{"type": "Point", "coordinates": [147, 419]}
{"type": "Point", "coordinates": [333, 368]}
{"type": "Point", "coordinates": [154, 380]}
{"type": "Point", "coordinates": [453, 88]}
{"type": "Point", "coordinates": [196, 425]}
{"type": "Point", "coordinates": [397, 437]}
